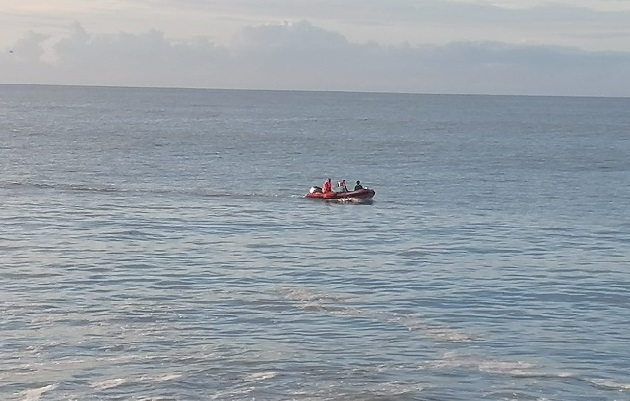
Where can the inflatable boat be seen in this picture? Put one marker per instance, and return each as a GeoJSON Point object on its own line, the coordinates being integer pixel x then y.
{"type": "Point", "coordinates": [360, 195]}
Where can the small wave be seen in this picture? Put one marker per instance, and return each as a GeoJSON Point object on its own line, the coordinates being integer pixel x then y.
{"type": "Point", "coordinates": [260, 376]}
{"type": "Point", "coordinates": [233, 394]}
{"type": "Point", "coordinates": [376, 392]}
{"type": "Point", "coordinates": [455, 360]}
{"type": "Point", "coordinates": [414, 323]}
{"type": "Point", "coordinates": [393, 389]}
{"type": "Point", "coordinates": [163, 378]}
{"type": "Point", "coordinates": [36, 393]}
{"type": "Point", "coordinates": [107, 384]}
{"type": "Point", "coordinates": [610, 384]}
{"type": "Point", "coordinates": [516, 369]}
{"type": "Point", "coordinates": [306, 295]}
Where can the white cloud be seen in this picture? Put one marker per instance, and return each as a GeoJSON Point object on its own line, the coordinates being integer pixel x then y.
{"type": "Point", "coordinates": [29, 48]}
{"type": "Point", "coordinates": [587, 24]}
{"type": "Point", "coordinates": [301, 55]}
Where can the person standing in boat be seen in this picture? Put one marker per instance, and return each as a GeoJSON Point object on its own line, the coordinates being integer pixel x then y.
{"type": "Point", "coordinates": [358, 186]}
{"type": "Point", "coordinates": [342, 186]}
{"type": "Point", "coordinates": [327, 187]}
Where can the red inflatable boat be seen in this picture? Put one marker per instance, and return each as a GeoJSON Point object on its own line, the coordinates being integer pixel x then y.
{"type": "Point", "coordinates": [360, 195]}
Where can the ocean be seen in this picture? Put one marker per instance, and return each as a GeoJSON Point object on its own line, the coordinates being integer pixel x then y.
{"type": "Point", "coordinates": [155, 244]}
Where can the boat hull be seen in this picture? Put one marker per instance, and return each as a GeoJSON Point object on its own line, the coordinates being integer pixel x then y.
{"type": "Point", "coordinates": [361, 194]}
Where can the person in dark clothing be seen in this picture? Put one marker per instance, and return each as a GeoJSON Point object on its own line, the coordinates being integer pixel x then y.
{"type": "Point", "coordinates": [358, 186]}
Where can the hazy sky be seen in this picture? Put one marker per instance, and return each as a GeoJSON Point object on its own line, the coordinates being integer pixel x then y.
{"type": "Point", "coordinates": [561, 47]}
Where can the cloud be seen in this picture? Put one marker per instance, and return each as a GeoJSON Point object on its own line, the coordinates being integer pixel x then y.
{"type": "Point", "coordinates": [29, 47]}
{"type": "Point", "coordinates": [289, 35]}
{"type": "Point", "coordinates": [303, 56]}
{"type": "Point", "coordinates": [591, 24]}
{"type": "Point", "coordinates": [463, 18]}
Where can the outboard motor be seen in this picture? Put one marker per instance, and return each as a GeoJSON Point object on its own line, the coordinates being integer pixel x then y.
{"type": "Point", "coordinates": [315, 190]}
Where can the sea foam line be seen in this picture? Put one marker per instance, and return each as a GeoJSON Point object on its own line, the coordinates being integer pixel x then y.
{"type": "Point", "coordinates": [325, 303]}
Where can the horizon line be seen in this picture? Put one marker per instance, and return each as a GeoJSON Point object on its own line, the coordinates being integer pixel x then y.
{"type": "Point", "coordinates": [309, 90]}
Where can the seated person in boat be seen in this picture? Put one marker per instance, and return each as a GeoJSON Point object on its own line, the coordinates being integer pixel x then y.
{"type": "Point", "coordinates": [358, 186]}
{"type": "Point", "coordinates": [341, 185]}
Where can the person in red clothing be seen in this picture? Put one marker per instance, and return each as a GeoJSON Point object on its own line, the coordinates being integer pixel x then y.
{"type": "Point", "coordinates": [327, 187]}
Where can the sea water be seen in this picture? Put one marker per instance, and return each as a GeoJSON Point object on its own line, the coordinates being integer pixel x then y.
{"type": "Point", "coordinates": [155, 245]}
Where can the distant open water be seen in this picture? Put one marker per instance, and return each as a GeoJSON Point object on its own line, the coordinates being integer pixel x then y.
{"type": "Point", "coordinates": [155, 245]}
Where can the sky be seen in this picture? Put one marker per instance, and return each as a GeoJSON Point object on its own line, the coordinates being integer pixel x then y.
{"type": "Point", "coordinates": [525, 47]}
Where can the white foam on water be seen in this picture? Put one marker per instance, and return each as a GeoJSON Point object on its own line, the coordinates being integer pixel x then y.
{"type": "Point", "coordinates": [232, 394]}
{"type": "Point", "coordinates": [154, 399]}
{"type": "Point", "coordinates": [414, 323]}
{"type": "Point", "coordinates": [168, 377]}
{"type": "Point", "coordinates": [610, 384]}
{"type": "Point", "coordinates": [395, 389]}
{"type": "Point", "coordinates": [502, 367]}
{"type": "Point", "coordinates": [306, 295]}
{"type": "Point", "coordinates": [329, 304]}
{"type": "Point", "coordinates": [107, 384]}
{"type": "Point", "coordinates": [260, 376]}
{"type": "Point", "coordinates": [162, 378]}
{"type": "Point", "coordinates": [36, 349]}
{"type": "Point", "coordinates": [123, 358]}
{"type": "Point", "coordinates": [36, 393]}
{"type": "Point", "coordinates": [378, 391]}
{"type": "Point", "coordinates": [453, 360]}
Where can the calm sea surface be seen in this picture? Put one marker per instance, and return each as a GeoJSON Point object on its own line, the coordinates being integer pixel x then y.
{"type": "Point", "coordinates": [155, 245]}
